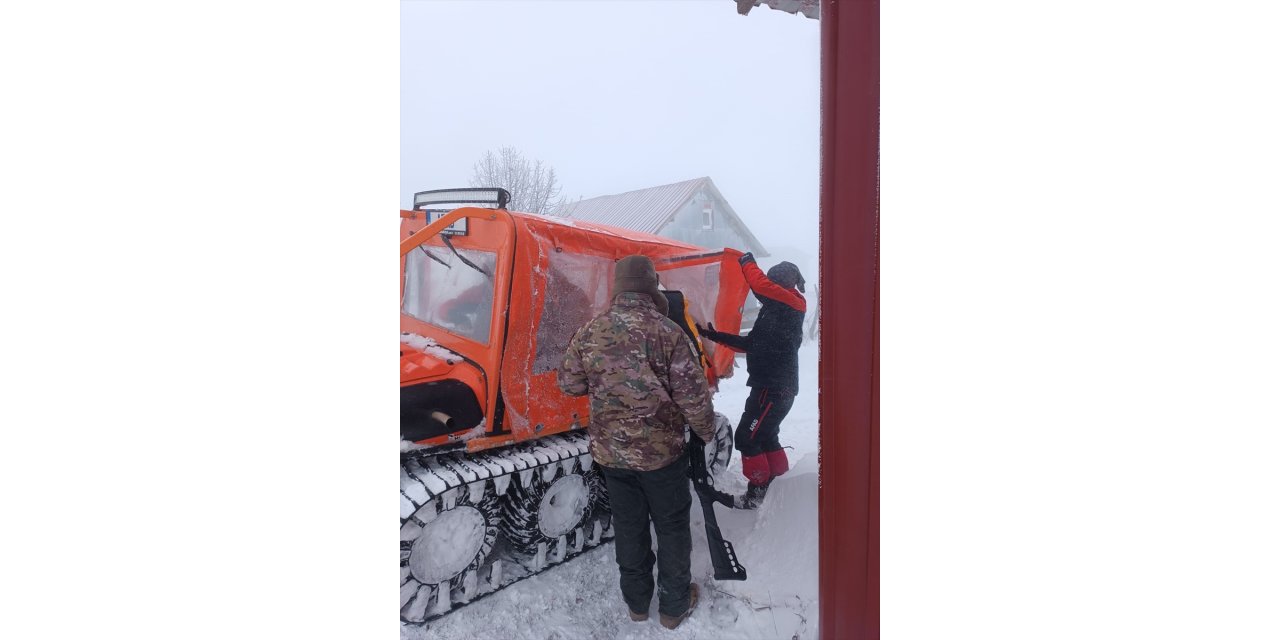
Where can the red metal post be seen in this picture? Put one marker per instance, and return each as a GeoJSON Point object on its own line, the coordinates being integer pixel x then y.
{"type": "Point", "coordinates": [849, 361]}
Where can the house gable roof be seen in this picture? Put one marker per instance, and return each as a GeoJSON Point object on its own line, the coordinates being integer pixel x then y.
{"type": "Point", "coordinates": [649, 210]}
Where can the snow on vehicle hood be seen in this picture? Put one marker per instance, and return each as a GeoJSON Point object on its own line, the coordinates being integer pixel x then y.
{"type": "Point", "coordinates": [429, 347]}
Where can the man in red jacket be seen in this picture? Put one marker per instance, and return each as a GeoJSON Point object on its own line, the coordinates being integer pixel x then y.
{"type": "Point", "coordinates": [773, 372]}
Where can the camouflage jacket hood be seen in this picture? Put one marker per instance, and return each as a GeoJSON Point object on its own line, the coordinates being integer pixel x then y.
{"type": "Point", "coordinates": [644, 382]}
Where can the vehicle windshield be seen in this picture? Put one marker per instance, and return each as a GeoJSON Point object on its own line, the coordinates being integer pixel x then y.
{"type": "Point", "coordinates": [451, 289]}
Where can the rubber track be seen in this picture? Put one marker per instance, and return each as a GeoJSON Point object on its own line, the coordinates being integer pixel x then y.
{"type": "Point", "coordinates": [427, 477]}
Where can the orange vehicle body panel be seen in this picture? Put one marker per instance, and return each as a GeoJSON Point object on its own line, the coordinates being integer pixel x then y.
{"type": "Point", "coordinates": [492, 231]}
{"type": "Point", "coordinates": [553, 275]}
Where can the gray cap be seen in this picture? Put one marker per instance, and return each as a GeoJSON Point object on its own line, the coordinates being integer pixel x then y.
{"type": "Point", "coordinates": [787, 275]}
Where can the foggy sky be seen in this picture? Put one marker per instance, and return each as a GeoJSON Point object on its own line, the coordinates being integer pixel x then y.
{"type": "Point", "coordinates": [619, 95]}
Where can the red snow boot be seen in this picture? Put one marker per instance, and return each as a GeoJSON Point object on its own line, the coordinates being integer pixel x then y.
{"type": "Point", "coordinates": [756, 468]}
{"type": "Point", "coordinates": [777, 462]}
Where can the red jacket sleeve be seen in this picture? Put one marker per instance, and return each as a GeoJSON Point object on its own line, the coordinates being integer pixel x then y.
{"type": "Point", "coordinates": [761, 285]}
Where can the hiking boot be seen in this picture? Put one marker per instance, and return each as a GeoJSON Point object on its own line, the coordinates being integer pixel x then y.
{"type": "Point", "coordinates": [752, 498]}
{"type": "Point", "coordinates": [671, 622]}
{"type": "Point", "coordinates": [637, 617]}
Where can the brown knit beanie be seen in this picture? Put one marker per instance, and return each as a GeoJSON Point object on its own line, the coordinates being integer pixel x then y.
{"type": "Point", "coordinates": [635, 274]}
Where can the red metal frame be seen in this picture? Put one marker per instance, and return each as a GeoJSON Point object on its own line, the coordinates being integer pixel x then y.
{"type": "Point", "coordinates": [849, 361]}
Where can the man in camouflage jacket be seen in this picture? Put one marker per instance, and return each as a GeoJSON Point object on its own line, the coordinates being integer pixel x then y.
{"type": "Point", "coordinates": [645, 384]}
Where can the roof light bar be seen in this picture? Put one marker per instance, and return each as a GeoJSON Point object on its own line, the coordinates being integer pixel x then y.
{"type": "Point", "coordinates": [493, 197]}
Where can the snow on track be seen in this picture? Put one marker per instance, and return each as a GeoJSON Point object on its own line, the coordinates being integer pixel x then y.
{"type": "Point", "coordinates": [777, 543]}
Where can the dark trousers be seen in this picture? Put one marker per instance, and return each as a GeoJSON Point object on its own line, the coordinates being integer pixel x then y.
{"type": "Point", "coordinates": [761, 419]}
{"type": "Point", "coordinates": [661, 496]}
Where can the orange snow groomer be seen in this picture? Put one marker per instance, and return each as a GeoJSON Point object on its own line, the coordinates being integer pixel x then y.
{"type": "Point", "coordinates": [490, 299]}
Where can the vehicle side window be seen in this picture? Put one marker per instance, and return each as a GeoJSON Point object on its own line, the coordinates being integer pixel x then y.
{"type": "Point", "coordinates": [441, 288]}
{"type": "Point", "coordinates": [577, 291]}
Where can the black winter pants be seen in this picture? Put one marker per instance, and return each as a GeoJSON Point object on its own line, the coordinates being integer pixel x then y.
{"type": "Point", "coordinates": [761, 420]}
{"type": "Point", "coordinates": [661, 496]}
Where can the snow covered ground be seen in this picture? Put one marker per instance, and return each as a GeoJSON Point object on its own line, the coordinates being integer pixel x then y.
{"type": "Point", "coordinates": [778, 545]}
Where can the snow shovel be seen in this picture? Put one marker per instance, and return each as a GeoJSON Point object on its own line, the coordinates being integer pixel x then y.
{"type": "Point", "coordinates": [723, 558]}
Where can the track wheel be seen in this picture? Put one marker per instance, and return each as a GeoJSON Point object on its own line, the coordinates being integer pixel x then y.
{"type": "Point", "coordinates": [443, 546]}
{"type": "Point", "coordinates": [548, 505]}
{"type": "Point", "coordinates": [720, 449]}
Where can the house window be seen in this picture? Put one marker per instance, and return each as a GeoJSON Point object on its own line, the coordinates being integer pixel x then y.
{"type": "Point", "coordinates": [708, 216]}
